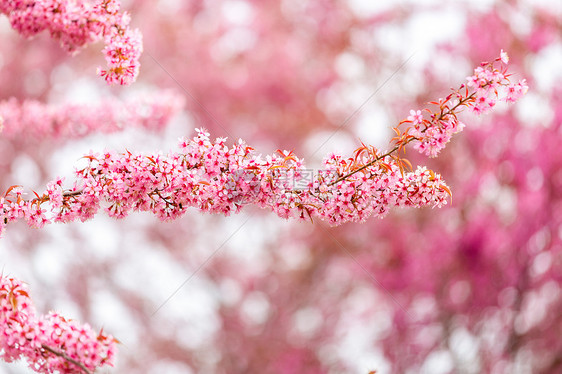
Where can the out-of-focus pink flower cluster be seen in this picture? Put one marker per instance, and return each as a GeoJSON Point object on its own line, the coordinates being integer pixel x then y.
{"type": "Point", "coordinates": [50, 343]}
{"type": "Point", "coordinates": [32, 119]}
{"type": "Point", "coordinates": [78, 23]}
{"type": "Point", "coordinates": [489, 84]}
{"type": "Point", "coordinates": [212, 177]}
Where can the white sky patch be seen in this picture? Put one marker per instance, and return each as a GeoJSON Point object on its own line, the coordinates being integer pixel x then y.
{"type": "Point", "coordinates": [357, 332]}
{"type": "Point", "coordinates": [49, 264]}
{"type": "Point", "coordinates": [532, 110]}
{"type": "Point", "coordinates": [106, 245]}
{"type": "Point", "coordinates": [5, 27]}
{"type": "Point", "coordinates": [69, 87]}
{"type": "Point", "coordinates": [230, 291]}
{"type": "Point", "coordinates": [438, 27]}
{"type": "Point", "coordinates": [323, 143]}
{"type": "Point", "coordinates": [350, 66]}
{"type": "Point", "coordinates": [307, 321]}
{"type": "Point", "coordinates": [161, 275]}
{"type": "Point", "coordinates": [114, 317]}
{"type": "Point", "coordinates": [368, 8]}
{"type": "Point", "coordinates": [357, 349]}
{"type": "Point", "coordinates": [237, 12]}
{"type": "Point", "coordinates": [374, 126]}
{"type": "Point", "coordinates": [465, 347]}
{"type": "Point", "coordinates": [541, 264]}
{"type": "Point", "coordinates": [294, 255]}
{"type": "Point", "coordinates": [438, 362]}
{"type": "Point", "coordinates": [246, 241]}
{"type": "Point", "coordinates": [546, 68]}
{"type": "Point", "coordinates": [518, 19]}
{"type": "Point", "coordinates": [255, 308]}
{"type": "Point", "coordinates": [82, 91]}
{"type": "Point", "coordinates": [501, 197]}
{"type": "Point", "coordinates": [25, 172]}
{"type": "Point", "coordinates": [194, 310]}
{"type": "Point", "coordinates": [535, 306]}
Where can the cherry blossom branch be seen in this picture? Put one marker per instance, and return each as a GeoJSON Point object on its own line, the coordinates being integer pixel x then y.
{"type": "Point", "coordinates": [430, 135]}
{"type": "Point", "coordinates": [49, 343]}
{"type": "Point", "coordinates": [213, 177]}
{"type": "Point", "coordinates": [78, 23]}
{"type": "Point", "coordinates": [35, 120]}
{"type": "Point", "coordinates": [402, 142]}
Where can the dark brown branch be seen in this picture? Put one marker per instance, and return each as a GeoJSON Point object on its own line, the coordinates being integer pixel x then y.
{"type": "Point", "coordinates": [71, 360]}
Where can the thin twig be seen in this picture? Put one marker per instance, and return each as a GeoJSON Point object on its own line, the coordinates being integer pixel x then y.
{"type": "Point", "coordinates": [69, 359]}
{"type": "Point", "coordinates": [372, 162]}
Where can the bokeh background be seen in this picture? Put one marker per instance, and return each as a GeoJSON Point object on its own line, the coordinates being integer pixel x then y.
{"type": "Point", "coordinates": [474, 287]}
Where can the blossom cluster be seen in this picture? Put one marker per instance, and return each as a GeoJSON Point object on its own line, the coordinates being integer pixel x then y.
{"type": "Point", "coordinates": [485, 87]}
{"type": "Point", "coordinates": [213, 177]}
{"type": "Point", "coordinates": [123, 46]}
{"type": "Point", "coordinates": [36, 120]}
{"type": "Point", "coordinates": [78, 23]}
{"type": "Point", "coordinates": [50, 343]}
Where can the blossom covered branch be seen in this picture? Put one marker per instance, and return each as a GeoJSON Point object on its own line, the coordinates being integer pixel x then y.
{"type": "Point", "coordinates": [213, 177]}
{"type": "Point", "coordinates": [489, 84]}
{"type": "Point", "coordinates": [35, 120]}
{"type": "Point", "coordinates": [78, 23]}
{"type": "Point", "coordinates": [431, 133]}
{"type": "Point", "coordinates": [50, 343]}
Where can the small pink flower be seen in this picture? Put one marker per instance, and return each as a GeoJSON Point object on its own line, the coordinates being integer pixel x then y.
{"type": "Point", "coordinates": [516, 91]}
{"type": "Point", "coordinates": [415, 117]}
{"type": "Point", "coordinates": [504, 57]}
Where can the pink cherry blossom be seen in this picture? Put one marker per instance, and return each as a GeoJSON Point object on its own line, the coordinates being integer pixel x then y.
{"type": "Point", "coordinates": [415, 117]}
{"type": "Point", "coordinates": [76, 24]}
{"type": "Point", "coordinates": [213, 177]}
{"type": "Point", "coordinates": [32, 119]}
{"type": "Point", "coordinates": [489, 84]}
{"type": "Point", "coordinates": [504, 57]}
{"type": "Point", "coordinates": [516, 90]}
{"type": "Point", "coordinates": [49, 343]}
